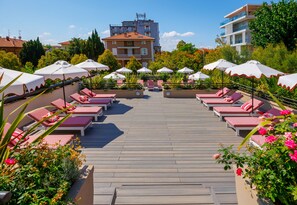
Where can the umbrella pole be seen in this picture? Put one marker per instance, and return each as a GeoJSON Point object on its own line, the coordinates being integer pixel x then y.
{"type": "Point", "coordinates": [222, 81]}
{"type": "Point", "coordinates": [64, 95]}
{"type": "Point", "coordinates": [252, 95]}
{"type": "Point", "coordinates": [91, 83]}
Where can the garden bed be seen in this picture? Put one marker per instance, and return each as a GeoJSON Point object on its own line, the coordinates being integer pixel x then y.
{"type": "Point", "coordinates": [122, 93]}
{"type": "Point", "coordinates": [183, 93]}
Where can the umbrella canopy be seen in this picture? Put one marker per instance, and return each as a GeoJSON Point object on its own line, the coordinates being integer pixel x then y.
{"type": "Point", "coordinates": [185, 70]}
{"type": "Point", "coordinates": [253, 69]}
{"type": "Point", "coordinates": [61, 70]}
{"type": "Point", "coordinates": [114, 76]}
{"type": "Point", "coordinates": [164, 70]}
{"type": "Point", "coordinates": [144, 70]}
{"type": "Point", "coordinates": [92, 65]}
{"type": "Point", "coordinates": [198, 76]}
{"type": "Point", "coordinates": [124, 70]}
{"type": "Point", "coordinates": [288, 81]}
{"type": "Point", "coordinates": [219, 64]}
{"type": "Point", "coordinates": [25, 82]}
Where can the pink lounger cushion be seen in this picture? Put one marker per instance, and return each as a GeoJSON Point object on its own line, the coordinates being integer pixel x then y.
{"type": "Point", "coordinates": [53, 140]}
{"type": "Point", "coordinates": [88, 92]}
{"type": "Point", "coordinates": [234, 98]}
{"type": "Point", "coordinates": [243, 121]}
{"type": "Point", "coordinates": [37, 115]}
{"type": "Point", "coordinates": [59, 103]}
{"type": "Point", "coordinates": [258, 139]}
{"type": "Point", "coordinates": [230, 110]}
{"type": "Point", "coordinates": [76, 97]}
{"type": "Point", "coordinates": [218, 94]}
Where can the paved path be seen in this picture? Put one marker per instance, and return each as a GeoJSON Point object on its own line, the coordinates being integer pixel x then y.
{"type": "Point", "coordinates": [155, 147]}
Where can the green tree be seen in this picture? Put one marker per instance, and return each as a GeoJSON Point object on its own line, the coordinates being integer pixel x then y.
{"type": "Point", "coordinates": [275, 23]}
{"type": "Point", "coordinates": [107, 58]}
{"type": "Point", "coordinates": [94, 46]}
{"type": "Point", "coordinates": [78, 58]}
{"type": "Point", "coordinates": [77, 46]}
{"type": "Point", "coordinates": [187, 47]}
{"type": "Point", "coordinates": [133, 64]}
{"type": "Point", "coordinates": [31, 52]}
{"type": "Point", "coordinates": [28, 68]}
{"type": "Point", "coordinates": [213, 55]}
{"type": "Point", "coordinates": [53, 56]}
{"type": "Point", "coordinates": [9, 60]}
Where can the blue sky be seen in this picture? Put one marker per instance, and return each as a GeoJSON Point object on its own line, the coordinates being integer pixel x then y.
{"type": "Point", "coordinates": [53, 21]}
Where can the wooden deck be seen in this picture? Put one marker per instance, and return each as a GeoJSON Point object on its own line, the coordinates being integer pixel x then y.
{"type": "Point", "coordinates": [159, 150]}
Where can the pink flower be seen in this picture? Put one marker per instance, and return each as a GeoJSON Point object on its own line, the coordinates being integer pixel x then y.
{"type": "Point", "coordinates": [10, 161]}
{"type": "Point", "coordinates": [295, 124]}
{"type": "Point", "coordinates": [288, 135]}
{"type": "Point", "coordinates": [270, 139]}
{"type": "Point", "coordinates": [216, 156]}
{"type": "Point", "coordinates": [239, 171]}
{"type": "Point", "coordinates": [293, 156]}
{"type": "Point", "coordinates": [270, 128]}
{"type": "Point", "coordinates": [262, 131]}
{"type": "Point", "coordinates": [285, 112]}
{"type": "Point", "coordinates": [290, 144]}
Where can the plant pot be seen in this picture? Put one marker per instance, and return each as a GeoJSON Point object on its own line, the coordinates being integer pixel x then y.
{"type": "Point", "coordinates": [82, 191]}
{"type": "Point", "coordinates": [184, 93]}
{"type": "Point", "coordinates": [245, 194]}
{"type": "Point", "coordinates": [122, 93]}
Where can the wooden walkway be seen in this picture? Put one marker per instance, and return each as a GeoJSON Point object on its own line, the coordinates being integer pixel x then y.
{"type": "Point", "coordinates": [158, 150]}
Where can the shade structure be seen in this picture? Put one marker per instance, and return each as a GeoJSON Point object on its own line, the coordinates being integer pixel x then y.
{"type": "Point", "coordinates": [92, 65]}
{"type": "Point", "coordinates": [144, 70]}
{"type": "Point", "coordinates": [25, 82]}
{"type": "Point", "coordinates": [288, 81]}
{"type": "Point", "coordinates": [198, 76]}
{"type": "Point", "coordinates": [185, 70]}
{"type": "Point", "coordinates": [221, 65]}
{"type": "Point", "coordinates": [124, 70]}
{"type": "Point", "coordinates": [253, 69]}
{"type": "Point", "coordinates": [114, 76]}
{"type": "Point", "coordinates": [62, 70]}
{"type": "Point", "coordinates": [164, 70]}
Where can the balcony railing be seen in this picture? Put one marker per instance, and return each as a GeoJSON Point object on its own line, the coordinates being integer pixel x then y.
{"type": "Point", "coordinates": [222, 34]}
{"type": "Point", "coordinates": [128, 55]}
{"type": "Point", "coordinates": [240, 28]}
{"type": "Point", "coordinates": [233, 18]}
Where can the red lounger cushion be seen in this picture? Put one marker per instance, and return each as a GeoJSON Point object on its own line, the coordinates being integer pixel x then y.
{"type": "Point", "coordinates": [94, 95]}
{"type": "Point", "coordinates": [53, 139]}
{"type": "Point", "coordinates": [243, 121]}
{"type": "Point", "coordinates": [76, 122]}
{"type": "Point", "coordinates": [86, 110]}
{"type": "Point", "coordinates": [259, 139]}
{"type": "Point", "coordinates": [230, 110]}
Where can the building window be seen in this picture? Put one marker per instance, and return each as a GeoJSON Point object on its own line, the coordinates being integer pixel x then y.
{"type": "Point", "coordinates": [113, 42]}
{"type": "Point", "coordinates": [115, 51]}
{"type": "Point", "coordinates": [143, 42]}
{"type": "Point", "coordinates": [144, 51]}
{"type": "Point", "coordinates": [238, 38]}
{"type": "Point", "coordinates": [129, 43]}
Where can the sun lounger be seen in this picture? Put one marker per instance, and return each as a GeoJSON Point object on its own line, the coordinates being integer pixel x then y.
{"type": "Point", "coordinates": [243, 110]}
{"type": "Point", "coordinates": [160, 84]}
{"type": "Point", "coordinates": [257, 140]}
{"type": "Point", "coordinates": [247, 123]}
{"type": "Point", "coordinates": [150, 85]}
{"type": "Point", "coordinates": [228, 101]}
{"type": "Point", "coordinates": [91, 94]}
{"type": "Point", "coordinates": [83, 100]}
{"type": "Point", "coordinates": [52, 140]}
{"type": "Point", "coordinates": [218, 94]}
{"type": "Point", "coordinates": [72, 123]}
{"type": "Point", "coordinates": [140, 82]}
{"type": "Point", "coordinates": [78, 111]}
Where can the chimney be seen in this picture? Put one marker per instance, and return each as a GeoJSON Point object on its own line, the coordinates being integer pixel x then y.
{"type": "Point", "coordinates": [20, 37]}
{"type": "Point", "coordinates": [7, 38]}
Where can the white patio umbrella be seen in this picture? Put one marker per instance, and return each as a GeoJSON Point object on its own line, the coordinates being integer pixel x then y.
{"type": "Point", "coordinates": [114, 76]}
{"type": "Point", "coordinates": [288, 81]}
{"type": "Point", "coordinates": [164, 70]}
{"type": "Point", "coordinates": [62, 70]}
{"type": "Point", "coordinates": [198, 76]}
{"type": "Point", "coordinates": [25, 82]}
{"type": "Point", "coordinates": [221, 65]}
{"type": "Point", "coordinates": [124, 70]}
{"type": "Point", "coordinates": [144, 70]}
{"type": "Point", "coordinates": [91, 65]}
{"type": "Point", "coordinates": [253, 69]}
{"type": "Point", "coordinates": [185, 70]}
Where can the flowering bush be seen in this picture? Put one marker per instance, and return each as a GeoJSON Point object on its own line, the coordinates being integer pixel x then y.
{"type": "Point", "coordinates": [271, 169]}
{"type": "Point", "coordinates": [40, 175]}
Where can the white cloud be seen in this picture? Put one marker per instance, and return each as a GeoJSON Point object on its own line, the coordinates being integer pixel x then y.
{"type": "Point", "coordinates": [175, 34]}
{"type": "Point", "coordinates": [106, 32]}
{"type": "Point", "coordinates": [89, 33]}
{"type": "Point", "coordinates": [49, 41]}
{"type": "Point", "coordinates": [44, 34]}
{"type": "Point", "coordinates": [72, 26]}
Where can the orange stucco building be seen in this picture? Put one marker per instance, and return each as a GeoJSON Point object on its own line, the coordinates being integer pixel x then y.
{"type": "Point", "coordinates": [13, 45]}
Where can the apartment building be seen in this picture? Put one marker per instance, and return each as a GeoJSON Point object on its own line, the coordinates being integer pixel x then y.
{"type": "Point", "coordinates": [141, 25]}
{"type": "Point", "coordinates": [125, 45]}
{"type": "Point", "coordinates": [13, 45]}
{"type": "Point", "coordinates": [236, 30]}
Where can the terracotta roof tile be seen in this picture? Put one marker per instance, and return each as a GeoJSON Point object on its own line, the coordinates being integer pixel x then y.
{"type": "Point", "coordinates": [65, 43]}
{"type": "Point", "coordinates": [129, 36]}
{"type": "Point", "coordinates": [11, 42]}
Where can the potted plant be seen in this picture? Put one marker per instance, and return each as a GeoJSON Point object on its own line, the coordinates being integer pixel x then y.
{"type": "Point", "coordinates": [271, 170]}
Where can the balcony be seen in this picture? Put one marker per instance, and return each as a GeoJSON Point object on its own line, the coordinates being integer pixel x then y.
{"type": "Point", "coordinates": [128, 55]}
{"type": "Point", "coordinates": [233, 18]}
{"type": "Point", "coordinates": [222, 34]}
{"type": "Point", "coordinates": [239, 28]}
